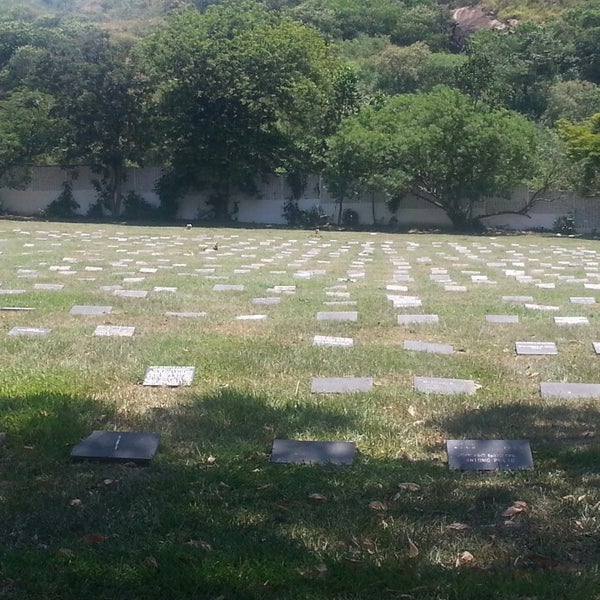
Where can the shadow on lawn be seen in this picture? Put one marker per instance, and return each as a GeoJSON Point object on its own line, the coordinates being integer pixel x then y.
{"type": "Point", "coordinates": [212, 518]}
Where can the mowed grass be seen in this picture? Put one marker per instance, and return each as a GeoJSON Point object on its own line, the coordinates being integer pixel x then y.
{"type": "Point", "coordinates": [211, 517]}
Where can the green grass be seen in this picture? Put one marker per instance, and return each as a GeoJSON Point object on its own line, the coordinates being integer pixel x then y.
{"type": "Point", "coordinates": [211, 517]}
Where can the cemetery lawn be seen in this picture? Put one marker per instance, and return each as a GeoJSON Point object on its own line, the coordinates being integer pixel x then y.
{"type": "Point", "coordinates": [211, 517]}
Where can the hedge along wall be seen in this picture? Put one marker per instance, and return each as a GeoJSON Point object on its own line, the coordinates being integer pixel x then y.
{"type": "Point", "coordinates": [267, 208]}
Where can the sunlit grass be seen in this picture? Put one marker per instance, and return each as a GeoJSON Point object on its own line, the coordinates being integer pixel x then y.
{"type": "Point", "coordinates": [211, 517]}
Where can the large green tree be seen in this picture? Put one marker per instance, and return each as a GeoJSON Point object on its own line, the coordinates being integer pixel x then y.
{"type": "Point", "coordinates": [242, 91]}
{"type": "Point", "coordinates": [583, 148]}
{"type": "Point", "coordinates": [442, 148]}
{"type": "Point", "coordinates": [99, 97]}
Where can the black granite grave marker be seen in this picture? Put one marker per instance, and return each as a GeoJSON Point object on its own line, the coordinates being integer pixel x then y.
{"type": "Point", "coordinates": [489, 455]}
{"type": "Point", "coordinates": [117, 446]}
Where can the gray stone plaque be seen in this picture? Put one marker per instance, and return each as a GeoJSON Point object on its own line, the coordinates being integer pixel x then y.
{"type": "Point", "coordinates": [251, 317]}
{"type": "Point", "coordinates": [441, 385]}
{"type": "Point", "coordinates": [410, 319]}
{"type": "Point", "coordinates": [428, 347]}
{"type": "Point", "coordinates": [48, 287]}
{"type": "Point", "coordinates": [301, 452]}
{"type": "Point", "coordinates": [571, 321]}
{"type": "Point", "coordinates": [536, 348]}
{"type": "Point", "coordinates": [117, 446]}
{"type": "Point", "coordinates": [517, 299]}
{"type": "Point", "coordinates": [114, 331]}
{"type": "Point", "coordinates": [169, 376]}
{"type": "Point", "coordinates": [90, 310]}
{"type": "Point", "coordinates": [131, 293]}
{"type": "Point", "coordinates": [5, 292]}
{"type": "Point", "coordinates": [26, 331]}
{"type": "Point", "coordinates": [269, 300]}
{"type": "Point", "coordinates": [583, 300]}
{"type": "Point", "coordinates": [223, 287]}
{"type": "Point", "coordinates": [569, 390]}
{"type": "Point", "coordinates": [17, 308]}
{"type": "Point", "coordinates": [502, 318]}
{"type": "Point", "coordinates": [186, 315]}
{"type": "Point", "coordinates": [327, 340]}
{"type": "Point", "coordinates": [543, 307]}
{"type": "Point", "coordinates": [596, 347]}
{"type": "Point", "coordinates": [341, 385]}
{"type": "Point", "coordinates": [489, 455]}
{"type": "Point", "coordinates": [337, 316]}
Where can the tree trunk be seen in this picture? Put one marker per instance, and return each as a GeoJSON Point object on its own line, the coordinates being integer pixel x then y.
{"type": "Point", "coordinates": [339, 219]}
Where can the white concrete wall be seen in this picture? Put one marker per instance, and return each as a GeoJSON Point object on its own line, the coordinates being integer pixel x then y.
{"type": "Point", "coordinates": [46, 185]}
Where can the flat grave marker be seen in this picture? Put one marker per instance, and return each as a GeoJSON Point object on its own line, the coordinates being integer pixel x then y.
{"type": "Point", "coordinates": [441, 385]}
{"type": "Point", "coordinates": [117, 446]}
{"type": "Point", "coordinates": [268, 300]}
{"type": "Point", "coordinates": [341, 385]}
{"type": "Point", "coordinates": [433, 348]}
{"type": "Point", "coordinates": [130, 293]}
{"type": "Point", "coordinates": [29, 331]}
{"type": "Point", "coordinates": [16, 308]}
{"type": "Point", "coordinates": [317, 453]}
{"type": "Point", "coordinates": [78, 309]}
{"type": "Point", "coordinates": [185, 314]}
{"type": "Point", "coordinates": [223, 287]}
{"type": "Point", "coordinates": [338, 316]}
{"type": "Point", "coordinates": [48, 287]}
{"type": "Point", "coordinates": [502, 318]}
{"type": "Point", "coordinates": [327, 340]}
{"type": "Point", "coordinates": [542, 307]}
{"type": "Point", "coordinates": [571, 321]}
{"type": "Point", "coordinates": [582, 300]}
{"type": "Point", "coordinates": [536, 348]}
{"type": "Point", "coordinates": [596, 347]}
{"type": "Point", "coordinates": [489, 455]}
{"type": "Point", "coordinates": [169, 376]}
{"type": "Point", "coordinates": [569, 390]}
{"type": "Point", "coordinates": [251, 317]}
{"type": "Point", "coordinates": [114, 331]}
{"type": "Point", "coordinates": [417, 319]}
{"type": "Point", "coordinates": [517, 299]}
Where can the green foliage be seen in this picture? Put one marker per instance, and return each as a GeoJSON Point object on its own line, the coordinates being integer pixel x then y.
{"type": "Point", "coordinates": [564, 225]}
{"type": "Point", "coordinates": [243, 92]}
{"type": "Point", "coordinates": [440, 147]}
{"type": "Point", "coordinates": [583, 149]}
{"type": "Point", "coordinates": [573, 101]}
{"type": "Point", "coordinates": [350, 218]}
{"type": "Point", "coordinates": [296, 217]}
{"type": "Point", "coordinates": [136, 208]}
{"type": "Point", "coordinates": [65, 206]}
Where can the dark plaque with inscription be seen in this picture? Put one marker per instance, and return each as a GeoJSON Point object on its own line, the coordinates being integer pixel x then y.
{"type": "Point", "coordinates": [117, 446]}
{"type": "Point", "coordinates": [489, 455]}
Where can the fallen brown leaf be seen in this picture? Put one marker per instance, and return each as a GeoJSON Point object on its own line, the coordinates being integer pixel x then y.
{"type": "Point", "coordinates": [377, 505]}
{"type": "Point", "coordinates": [518, 506]}
{"type": "Point", "coordinates": [93, 538]}
{"type": "Point", "coordinates": [76, 502]}
{"type": "Point", "coordinates": [151, 562]}
{"type": "Point", "coordinates": [65, 552]}
{"type": "Point", "coordinates": [464, 558]}
{"type": "Point", "coordinates": [456, 526]}
{"type": "Point", "coordinates": [409, 486]}
{"type": "Point", "coordinates": [317, 496]}
{"type": "Point", "coordinates": [199, 544]}
{"type": "Point", "coordinates": [413, 551]}
{"type": "Point", "coordinates": [211, 460]}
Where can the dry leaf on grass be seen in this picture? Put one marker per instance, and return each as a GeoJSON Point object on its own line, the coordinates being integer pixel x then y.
{"type": "Point", "coordinates": [65, 552]}
{"type": "Point", "coordinates": [518, 506]}
{"type": "Point", "coordinates": [199, 544]}
{"type": "Point", "coordinates": [92, 538]}
{"type": "Point", "coordinates": [409, 486]}
{"type": "Point", "coordinates": [377, 505]}
{"type": "Point", "coordinates": [211, 460]}
{"type": "Point", "coordinates": [456, 526]}
{"type": "Point", "coordinates": [76, 502]}
{"type": "Point", "coordinates": [413, 551]}
{"type": "Point", "coordinates": [151, 562]}
{"type": "Point", "coordinates": [464, 558]}
{"type": "Point", "coordinates": [317, 496]}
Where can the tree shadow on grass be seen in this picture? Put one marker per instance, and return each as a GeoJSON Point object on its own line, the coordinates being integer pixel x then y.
{"type": "Point", "coordinates": [211, 517]}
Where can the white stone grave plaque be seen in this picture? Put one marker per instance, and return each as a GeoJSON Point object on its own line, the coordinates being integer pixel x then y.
{"type": "Point", "coordinates": [48, 287]}
{"type": "Point", "coordinates": [251, 317]}
{"type": "Point", "coordinates": [90, 310]}
{"type": "Point", "coordinates": [583, 300]}
{"type": "Point", "coordinates": [223, 287]}
{"type": "Point", "coordinates": [268, 300]}
{"type": "Point", "coordinates": [569, 390]}
{"type": "Point", "coordinates": [327, 340]}
{"type": "Point", "coordinates": [540, 348]}
{"type": "Point", "coordinates": [130, 293]}
{"type": "Point", "coordinates": [542, 307]}
{"type": "Point", "coordinates": [441, 385]}
{"type": "Point", "coordinates": [169, 376]}
{"type": "Point", "coordinates": [341, 385]}
{"type": "Point", "coordinates": [517, 299]}
{"type": "Point", "coordinates": [17, 308]}
{"type": "Point", "coordinates": [417, 319]}
{"type": "Point", "coordinates": [29, 331]}
{"type": "Point", "coordinates": [418, 346]}
{"type": "Point", "coordinates": [571, 321]}
{"type": "Point", "coordinates": [114, 331]}
{"type": "Point", "coordinates": [502, 318]}
{"type": "Point", "coordinates": [596, 347]}
{"type": "Point", "coordinates": [186, 315]}
{"type": "Point", "coordinates": [337, 316]}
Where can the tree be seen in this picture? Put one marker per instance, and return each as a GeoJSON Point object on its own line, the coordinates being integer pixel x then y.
{"type": "Point", "coordinates": [242, 91]}
{"type": "Point", "coordinates": [27, 131]}
{"type": "Point", "coordinates": [445, 150]}
{"type": "Point", "coordinates": [100, 98]}
{"type": "Point", "coordinates": [583, 149]}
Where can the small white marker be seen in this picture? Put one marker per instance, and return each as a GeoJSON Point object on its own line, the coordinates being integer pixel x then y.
{"type": "Point", "coordinates": [117, 443]}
